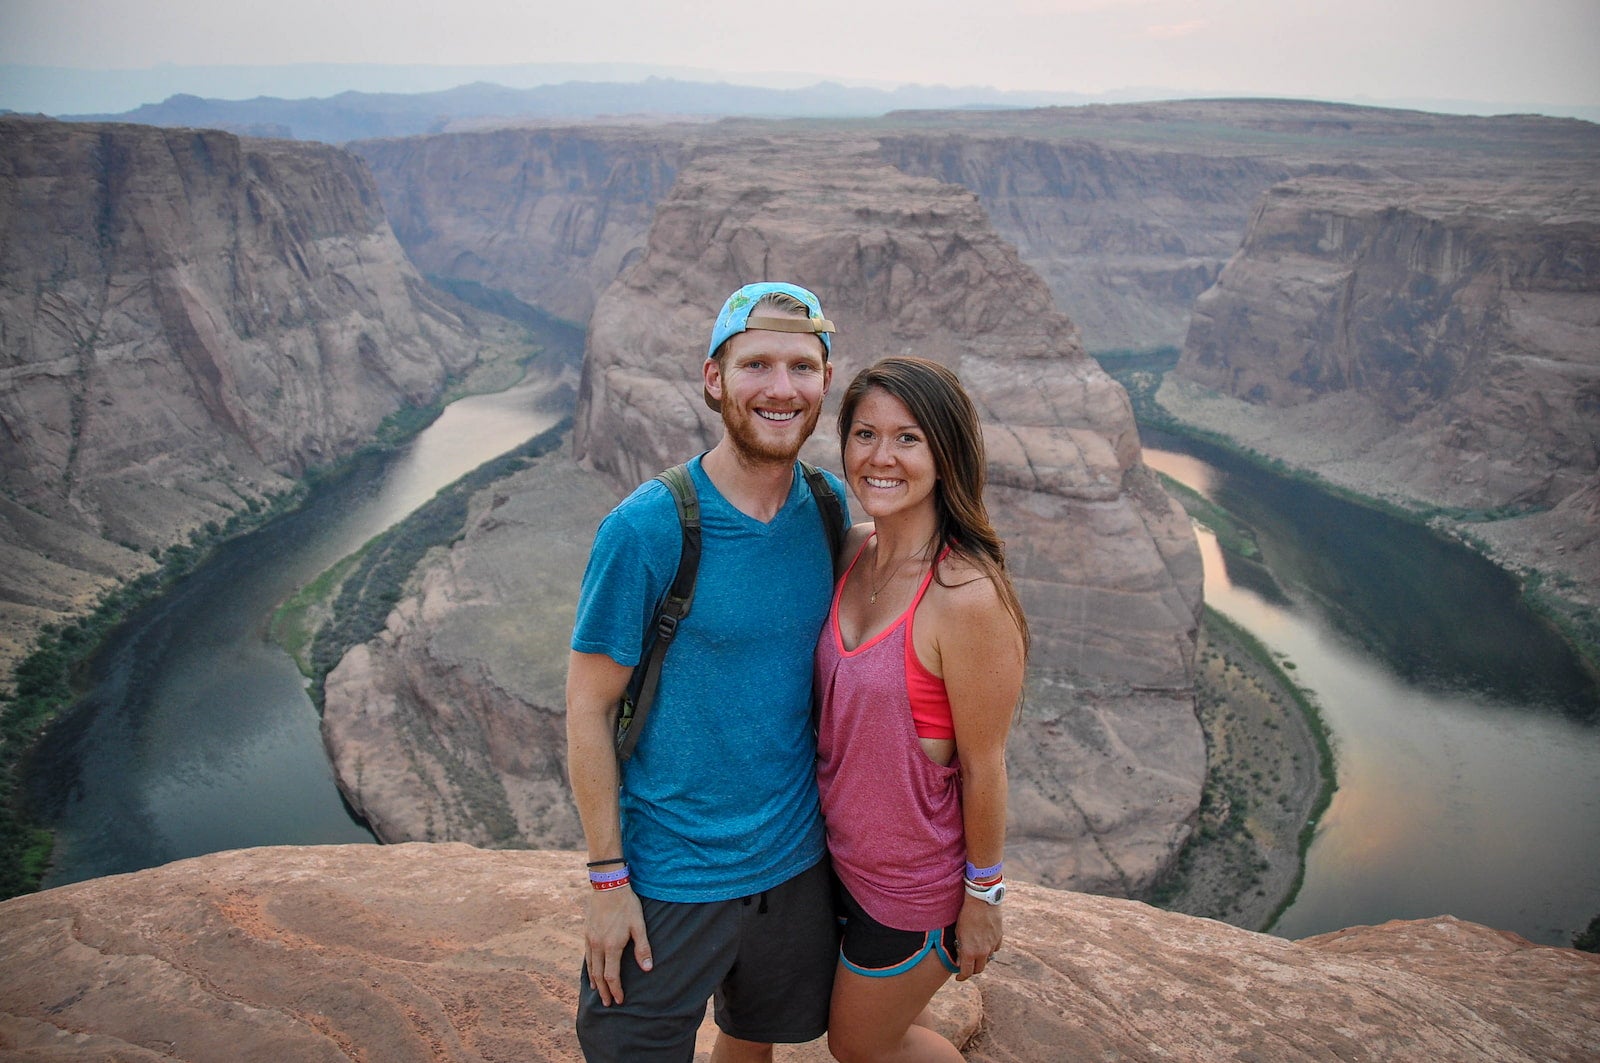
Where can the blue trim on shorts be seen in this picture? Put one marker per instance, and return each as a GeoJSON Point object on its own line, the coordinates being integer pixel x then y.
{"type": "Point", "coordinates": [932, 942]}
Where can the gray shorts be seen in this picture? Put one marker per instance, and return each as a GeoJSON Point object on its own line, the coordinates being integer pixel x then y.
{"type": "Point", "coordinates": [768, 959]}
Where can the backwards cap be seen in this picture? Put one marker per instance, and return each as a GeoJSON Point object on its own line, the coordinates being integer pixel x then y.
{"type": "Point", "coordinates": [735, 316]}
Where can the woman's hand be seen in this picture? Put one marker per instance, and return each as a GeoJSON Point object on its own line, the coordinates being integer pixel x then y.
{"type": "Point", "coordinates": [978, 936]}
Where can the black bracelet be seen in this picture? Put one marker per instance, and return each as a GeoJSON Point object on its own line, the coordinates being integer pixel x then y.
{"type": "Point", "coordinates": [603, 863]}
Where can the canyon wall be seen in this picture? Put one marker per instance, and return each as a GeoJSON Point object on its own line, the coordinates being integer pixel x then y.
{"type": "Point", "coordinates": [188, 321]}
{"type": "Point", "coordinates": [448, 953]}
{"type": "Point", "coordinates": [1126, 237]}
{"type": "Point", "coordinates": [1128, 212]}
{"type": "Point", "coordinates": [1433, 343]}
{"type": "Point", "coordinates": [1108, 763]}
{"type": "Point", "coordinates": [549, 215]}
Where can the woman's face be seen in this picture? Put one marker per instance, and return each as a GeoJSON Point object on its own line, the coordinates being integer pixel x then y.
{"type": "Point", "coordinates": [887, 460]}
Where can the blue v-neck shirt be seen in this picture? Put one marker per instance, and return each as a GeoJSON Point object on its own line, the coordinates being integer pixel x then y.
{"type": "Point", "coordinates": [720, 797]}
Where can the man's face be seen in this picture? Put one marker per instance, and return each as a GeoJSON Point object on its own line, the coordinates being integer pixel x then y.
{"type": "Point", "coordinates": [771, 386]}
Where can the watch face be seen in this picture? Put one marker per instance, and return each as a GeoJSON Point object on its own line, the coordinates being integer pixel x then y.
{"type": "Point", "coordinates": [997, 894]}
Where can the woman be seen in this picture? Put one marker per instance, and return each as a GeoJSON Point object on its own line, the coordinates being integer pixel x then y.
{"type": "Point", "coordinates": [919, 671]}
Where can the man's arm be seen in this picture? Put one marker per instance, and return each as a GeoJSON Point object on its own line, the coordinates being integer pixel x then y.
{"type": "Point", "coordinates": [595, 684]}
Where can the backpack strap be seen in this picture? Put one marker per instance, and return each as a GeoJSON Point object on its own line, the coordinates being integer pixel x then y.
{"type": "Point", "coordinates": [828, 508]}
{"type": "Point", "coordinates": [647, 673]}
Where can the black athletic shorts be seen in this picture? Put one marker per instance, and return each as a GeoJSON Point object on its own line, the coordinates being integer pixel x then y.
{"type": "Point", "coordinates": [877, 951]}
{"type": "Point", "coordinates": [767, 959]}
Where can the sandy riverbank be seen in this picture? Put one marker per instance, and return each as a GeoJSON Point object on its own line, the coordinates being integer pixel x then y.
{"type": "Point", "coordinates": [1264, 781]}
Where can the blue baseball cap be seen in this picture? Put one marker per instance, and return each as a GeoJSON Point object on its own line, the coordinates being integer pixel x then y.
{"type": "Point", "coordinates": [735, 316]}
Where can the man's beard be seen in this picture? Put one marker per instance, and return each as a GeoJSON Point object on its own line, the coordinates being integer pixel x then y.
{"type": "Point", "coordinates": [744, 433]}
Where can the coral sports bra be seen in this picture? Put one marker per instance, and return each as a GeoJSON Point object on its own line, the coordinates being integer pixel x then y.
{"type": "Point", "coordinates": [930, 701]}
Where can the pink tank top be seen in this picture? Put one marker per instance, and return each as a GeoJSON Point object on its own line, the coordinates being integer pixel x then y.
{"type": "Point", "coordinates": [893, 816]}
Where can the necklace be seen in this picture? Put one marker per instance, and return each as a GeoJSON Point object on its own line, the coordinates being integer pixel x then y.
{"type": "Point", "coordinates": [873, 598]}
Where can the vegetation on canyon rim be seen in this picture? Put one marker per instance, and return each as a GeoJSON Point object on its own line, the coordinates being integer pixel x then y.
{"type": "Point", "coordinates": [48, 680]}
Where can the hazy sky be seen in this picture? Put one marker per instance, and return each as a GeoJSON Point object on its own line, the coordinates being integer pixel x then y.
{"type": "Point", "coordinates": [1527, 50]}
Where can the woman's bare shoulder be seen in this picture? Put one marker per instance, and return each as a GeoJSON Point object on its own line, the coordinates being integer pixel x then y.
{"type": "Point", "coordinates": [965, 589]}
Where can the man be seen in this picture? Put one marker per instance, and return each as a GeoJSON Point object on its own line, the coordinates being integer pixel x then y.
{"type": "Point", "coordinates": [709, 868]}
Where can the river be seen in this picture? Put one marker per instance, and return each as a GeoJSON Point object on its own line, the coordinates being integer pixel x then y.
{"type": "Point", "coordinates": [1465, 732]}
{"type": "Point", "coordinates": [198, 734]}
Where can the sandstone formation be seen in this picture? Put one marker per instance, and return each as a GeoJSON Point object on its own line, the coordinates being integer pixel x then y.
{"type": "Point", "coordinates": [548, 215]}
{"type": "Point", "coordinates": [448, 953]}
{"type": "Point", "coordinates": [189, 321]}
{"type": "Point", "coordinates": [1433, 343]}
{"type": "Point", "coordinates": [1128, 211]}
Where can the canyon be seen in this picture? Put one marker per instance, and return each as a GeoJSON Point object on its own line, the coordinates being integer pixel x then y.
{"type": "Point", "coordinates": [1433, 344]}
{"type": "Point", "coordinates": [1462, 246]}
{"type": "Point", "coordinates": [1404, 304]}
{"type": "Point", "coordinates": [189, 322]}
{"type": "Point", "coordinates": [1136, 215]}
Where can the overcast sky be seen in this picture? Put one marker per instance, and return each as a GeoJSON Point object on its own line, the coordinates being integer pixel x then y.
{"type": "Point", "coordinates": [1526, 51]}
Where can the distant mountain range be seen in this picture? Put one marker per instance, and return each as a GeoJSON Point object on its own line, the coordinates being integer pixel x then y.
{"type": "Point", "coordinates": [364, 115]}
{"type": "Point", "coordinates": [341, 102]}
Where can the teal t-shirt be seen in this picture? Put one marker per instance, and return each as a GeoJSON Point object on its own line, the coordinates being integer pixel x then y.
{"type": "Point", "coordinates": [720, 797]}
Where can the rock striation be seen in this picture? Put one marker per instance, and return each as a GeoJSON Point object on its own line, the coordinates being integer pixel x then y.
{"type": "Point", "coordinates": [1130, 211]}
{"type": "Point", "coordinates": [1126, 236]}
{"type": "Point", "coordinates": [1127, 211]}
{"type": "Point", "coordinates": [444, 952]}
{"type": "Point", "coordinates": [549, 215]}
{"type": "Point", "coordinates": [1109, 762]}
{"type": "Point", "coordinates": [189, 320]}
{"type": "Point", "coordinates": [1432, 343]}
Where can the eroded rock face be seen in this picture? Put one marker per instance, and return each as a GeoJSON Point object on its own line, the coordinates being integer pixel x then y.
{"type": "Point", "coordinates": [549, 215]}
{"type": "Point", "coordinates": [444, 952]}
{"type": "Point", "coordinates": [1125, 237]}
{"type": "Point", "coordinates": [1425, 342]}
{"type": "Point", "coordinates": [1109, 759]}
{"type": "Point", "coordinates": [189, 321]}
{"type": "Point", "coordinates": [451, 725]}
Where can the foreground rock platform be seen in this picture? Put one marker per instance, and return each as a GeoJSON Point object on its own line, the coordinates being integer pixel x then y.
{"type": "Point", "coordinates": [446, 952]}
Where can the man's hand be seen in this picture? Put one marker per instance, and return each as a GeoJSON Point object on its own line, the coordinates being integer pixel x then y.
{"type": "Point", "coordinates": [614, 917]}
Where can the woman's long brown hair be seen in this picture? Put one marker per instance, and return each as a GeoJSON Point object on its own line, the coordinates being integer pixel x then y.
{"type": "Point", "coordinates": [940, 405]}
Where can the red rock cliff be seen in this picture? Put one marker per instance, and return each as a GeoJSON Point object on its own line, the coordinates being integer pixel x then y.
{"type": "Point", "coordinates": [549, 215]}
{"type": "Point", "coordinates": [447, 953]}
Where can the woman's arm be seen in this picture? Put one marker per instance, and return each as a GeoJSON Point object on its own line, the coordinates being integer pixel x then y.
{"type": "Point", "coordinates": [981, 655]}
